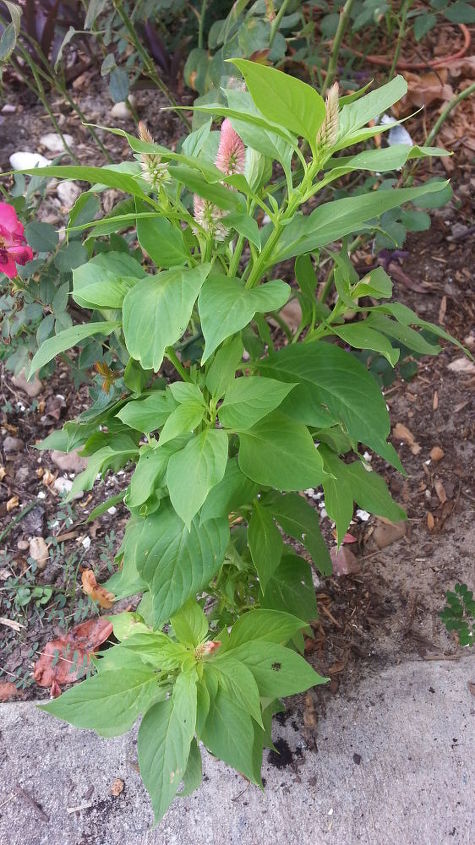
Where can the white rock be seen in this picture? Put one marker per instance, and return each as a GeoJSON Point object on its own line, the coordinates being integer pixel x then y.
{"type": "Point", "coordinates": [362, 515]}
{"type": "Point", "coordinates": [39, 551]}
{"type": "Point", "coordinates": [121, 110]}
{"type": "Point", "coordinates": [31, 388]}
{"type": "Point", "coordinates": [68, 192]}
{"type": "Point", "coordinates": [9, 108]}
{"type": "Point", "coordinates": [63, 485]}
{"type": "Point", "coordinates": [86, 542]}
{"type": "Point", "coordinates": [24, 160]}
{"type": "Point", "coordinates": [112, 510]}
{"type": "Point", "coordinates": [54, 143]}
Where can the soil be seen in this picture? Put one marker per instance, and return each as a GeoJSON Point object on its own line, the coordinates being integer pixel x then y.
{"type": "Point", "coordinates": [385, 612]}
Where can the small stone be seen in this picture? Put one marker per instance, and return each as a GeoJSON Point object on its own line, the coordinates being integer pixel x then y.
{"type": "Point", "coordinates": [54, 143]}
{"type": "Point", "coordinates": [112, 510]}
{"type": "Point", "coordinates": [68, 461]}
{"type": "Point", "coordinates": [121, 110]}
{"type": "Point", "coordinates": [357, 759]}
{"type": "Point", "coordinates": [8, 108]}
{"type": "Point", "coordinates": [22, 545]}
{"type": "Point", "coordinates": [33, 523]}
{"type": "Point", "coordinates": [31, 388]}
{"type": "Point", "coordinates": [462, 365]}
{"type": "Point", "coordinates": [63, 486]}
{"type": "Point", "coordinates": [22, 475]}
{"type": "Point", "coordinates": [117, 787]}
{"type": "Point", "coordinates": [386, 533]}
{"type": "Point", "coordinates": [39, 551]}
{"type": "Point", "coordinates": [12, 444]}
{"type": "Point", "coordinates": [344, 561]}
{"type": "Point", "coordinates": [86, 542]}
{"type": "Point", "coordinates": [68, 193]}
{"type": "Point", "coordinates": [362, 515]}
{"type": "Point", "coordinates": [24, 160]}
{"type": "Point", "coordinates": [437, 453]}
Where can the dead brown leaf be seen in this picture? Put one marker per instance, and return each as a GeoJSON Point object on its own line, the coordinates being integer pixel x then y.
{"type": "Point", "coordinates": [7, 691]}
{"type": "Point", "coordinates": [117, 787]}
{"type": "Point", "coordinates": [462, 365]}
{"type": "Point", "coordinates": [401, 432]}
{"type": "Point", "coordinates": [436, 453]}
{"type": "Point", "coordinates": [430, 521]}
{"type": "Point", "coordinates": [66, 659]}
{"type": "Point", "coordinates": [440, 490]}
{"type": "Point", "coordinates": [39, 551]}
{"type": "Point", "coordinates": [97, 593]}
{"type": "Point", "coordinates": [12, 503]}
{"type": "Point", "coordinates": [387, 532]}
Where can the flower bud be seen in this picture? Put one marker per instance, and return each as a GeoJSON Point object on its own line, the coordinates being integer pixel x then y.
{"type": "Point", "coordinates": [328, 133]}
{"type": "Point", "coordinates": [153, 169]}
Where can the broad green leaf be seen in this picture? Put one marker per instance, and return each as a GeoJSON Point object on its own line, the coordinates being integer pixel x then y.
{"type": "Point", "coordinates": [358, 113]}
{"type": "Point", "coordinates": [245, 226]}
{"type": "Point", "coordinates": [229, 734]}
{"type": "Point", "coordinates": [149, 474]}
{"type": "Point", "coordinates": [193, 772]}
{"type": "Point", "coordinates": [385, 158]}
{"type": "Point", "coordinates": [361, 335]}
{"type": "Point", "coordinates": [376, 284]}
{"type": "Point", "coordinates": [159, 650]}
{"type": "Point", "coordinates": [300, 521]}
{"type": "Point", "coordinates": [342, 385]}
{"type": "Point", "coordinates": [291, 589]}
{"type": "Point", "coordinates": [226, 307]}
{"type": "Point", "coordinates": [101, 175]}
{"type": "Point", "coordinates": [146, 415]}
{"type": "Point", "coordinates": [175, 563]}
{"type": "Point", "coordinates": [230, 494]}
{"type": "Point", "coordinates": [164, 742]}
{"type": "Point", "coordinates": [278, 670]}
{"type": "Point", "coordinates": [157, 310]}
{"type": "Point", "coordinates": [105, 279]}
{"type": "Point", "coordinates": [223, 367]}
{"type": "Point", "coordinates": [107, 457]}
{"type": "Point", "coordinates": [264, 140]}
{"type": "Point", "coordinates": [127, 581]}
{"type": "Point", "coordinates": [190, 624]}
{"type": "Point", "coordinates": [407, 317]}
{"type": "Point", "coordinates": [127, 624]}
{"type": "Point", "coordinates": [162, 241]}
{"type": "Point", "coordinates": [270, 625]}
{"type": "Point", "coordinates": [214, 192]}
{"type": "Point", "coordinates": [238, 682]}
{"type": "Point", "coordinates": [108, 703]}
{"type": "Point", "coordinates": [333, 220]}
{"type": "Point", "coordinates": [284, 99]}
{"type": "Point", "coordinates": [279, 452]}
{"type": "Point", "coordinates": [250, 398]}
{"type": "Point", "coordinates": [185, 391]}
{"type": "Point", "coordinates": [338, 493]}
{"type": "Point", "coordinates": [203, 460]}
{"type": "Point", "coordinates": [404, 334]}
{"type": "Point", "coordinates": [265, 544]}
{"type": "Point", "coordinates": [66, 339]}
{"type": "Point", "coordinates": [184, 419]}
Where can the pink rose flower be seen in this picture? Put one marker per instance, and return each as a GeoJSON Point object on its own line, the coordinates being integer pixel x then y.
{"type": "Point", "coordinates": [13, 246]}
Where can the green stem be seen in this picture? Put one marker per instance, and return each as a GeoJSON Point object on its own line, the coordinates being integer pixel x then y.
{"type": "Point", "coordinates": [173, 358]}
{"type": "Point", "coordinates": [326, 287]}
{"type": "Point", "coordinates": [449, 107]}
{"type": "Point", "coordinates": [400, 36]}
{"type": "Point", "coordinates": [234, 263]}
{"type": "Point", "coordinates": [16, 520]}
{"type": "Point", "coordinates": [276, 22]}
{"type": "Point", "coordinates": [341, 29]}
{"type": "Point", "coordinates": [201, 23]}
{"type": "Point", "coordinates": [148, 62]}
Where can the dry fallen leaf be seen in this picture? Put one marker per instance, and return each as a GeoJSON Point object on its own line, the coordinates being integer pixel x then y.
{"type": "Point", "coordinates": [430, 521]}
{"type": "Point", "coordinates": [2, 473]}
{"type": "Point", "coordinates": [440, 490]}
{"type": "Point", "coordinates": [7, 691]}
{"type": "Point", "coordinates": [462, 365]}
{"type": "Point", "coordinates": [39, 551]}
{"type": "Point", "coordinates": [11, 623]}
{"type": "Point", "coordinates": [436, 453]}
{"type": "Point", "coordinates": [117, 787]}
{"type": "Point", "coordinates": [12, 503]}
{"type": "Point", "coordinates": [387, 532]}
{"type": "Point", "coordinates": [97, 593]}
{"type": "Point", "coordinates": [66, 659]}
{"type": "Point", "coordinates": [435, 401]}
{"type": "Point", "coordinates": [401, 432]}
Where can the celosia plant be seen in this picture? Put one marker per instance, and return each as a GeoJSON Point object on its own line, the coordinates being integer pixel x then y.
{"type": "Point", "coordinates": [219, 541]}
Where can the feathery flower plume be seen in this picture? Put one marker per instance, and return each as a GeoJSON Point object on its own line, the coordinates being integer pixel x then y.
{"type": "Point", "coordinates": [231, 157]}
{"type": "Point", "coordinates": [153, 169]}
{"type": "Point", "coordinates": [328, 132]}
{"type": "Point", "coordinates": [209, 216]}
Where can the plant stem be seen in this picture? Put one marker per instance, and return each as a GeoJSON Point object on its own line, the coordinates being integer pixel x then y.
{"type": "Point", "coordinates": [148, 62]}
{"type": "Point", "coordinates": [400, 36]}
{"type": "Point", "coordinates": [173, 357]}
{"type": "Point", "coordinates": [201, 23]}
{"type": "Point", "coordinates": [341, 29]}
{"type": "Point", "coordinates": [326, 287]}
{"type": "Point", "coordinates": [276, 22]}
{"type": "Point", "coordinates": [449, 107]}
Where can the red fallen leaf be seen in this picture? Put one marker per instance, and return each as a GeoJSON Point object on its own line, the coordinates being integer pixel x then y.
{"type": "Point", "coordinates": [55, 690]}
{"type": "Point", "coordinates": [7, 691]}
{"type": "Point", "coordinates": [98, 593]}
{"type": "Point", "coordinates": [348, 538]}
{"type": "Point", "coordinates": [66, 659]}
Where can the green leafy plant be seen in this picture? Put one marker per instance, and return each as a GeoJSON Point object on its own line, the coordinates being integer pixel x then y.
{"type": "Point", "coordinates": [219, 541]}
{"type": "Point", "coordinates": [459, 614]}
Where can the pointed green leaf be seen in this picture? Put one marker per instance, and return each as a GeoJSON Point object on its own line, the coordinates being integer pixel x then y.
{"type": "Point", "coordinates": [162, 241]}
{"type": "Point", "coordinates": [204, 461]}
{"type": "Point", "coordinates": [230, 494]}
{"type": "Point", "coordinates": [229, 735]}
{"type": "Point", "coordinates": [238, 682]}
{"type": "Point", "coordinates": [146, 415]}
{"type": "Point", "coordinates": [302, 522]}
{"type": "Point", "coordinates": [265, 544]}
{"type": "Point", "coordinates": [249, 399]}
{"type": "Point", "coordinates": [183, 420]}
{"type": "Point", "coordinates": [291, 589]}
{"type": "Point", "coordinates": [66, 339]}
{"type": "Point", "coordinates": [270, 625]}
{"type": "Point", "coordinates": [278, 670]}
{"type": "Point", "coordinates": [104, 280]}
{"type": "Point", "coordinates": [190, 624]}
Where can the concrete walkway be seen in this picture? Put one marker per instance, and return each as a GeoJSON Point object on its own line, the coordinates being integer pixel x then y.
{"type": "Point", "coordinates": [395, 766]}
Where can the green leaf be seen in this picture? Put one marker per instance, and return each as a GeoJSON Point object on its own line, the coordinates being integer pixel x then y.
{"type": "Point", "coordinates": [70, 257]}
{"type": "Point", "coordinates": [193, 772]}
{"type": "Point", "coordinates": [190, 624]}
{"type": "Point", "coordinates": [214, 192]}
{"type": "Point", "coordinates": [124, 450]}
{"type": "Point", "coordinates": [358, 113]}
{"type": "Point", "coordinates": [460, 12]}
{"type": "Point", "coordinates": [164, 741]}
{"type": "Point", "coordinates": [404, 334]}
{"type": "Point", "coordinates": [105, 279]}
{"type": "Point", "coordinates": [184, 419]}
{"type": "Point", "coordinates": [284, 99]}
{"type": "Point", "coordinates": [236, 681]}
{"type": "Point", "coordinates": [108, 703]}
{"type": "Point", "coordinates": [230, 494]}
{"type": "Point", "coordinates": [265, 544]}
{"type": "Point", "coordinates": [157, 310]}
{"type": "Point", "coordinates": [249, 399]}
{"type": "Point", "coordinates": [229, 734]}
{"type": "Point", "coordinates": [53, 346]}
{"type": "Point", "coordinates": [223, 367]}
{"type": "Point", "coordinates": [245, 226]}
{"type": "Point", "coordinates": [148, 414]}
{"type": "Point", "coordinates": [101, 175]}
{"type": "Point", "coordinates": [149, 474]}
{"type": "Point", "coordinates": [423, 24]}
{"type": "Point", "coordinates": [376, 284]}
{"type": "Point", "coordinates": [174, 562]}
{"type": "Point", "coordinates": [363, 336]}
{"type": "Point", "coordinates": [278, 670]}
{"type": "Point", "coordinates": [259, 138]}
{"type": "Point", "coordinates": [342, 385]}
{"type": "Point", "coordinates": [226, 307]}
{"type": "Point", "coordinates": [270, 625]}
{"type": "Point", "coordinates": [42, 237]}
{"type": "Point", "coordinates": [300, 521]}
{"type": "Point", "coordinates": [162, 241]}
{"type": "Point", "coordinates": [291, 589]}
{"type": "Point", "coordinates": [279, 452]}
{"type": "Point", "coordinates": [338, 493]}
{"type": "Point", "coordinates": [333, 220]}
{"type": "Point", "coordinates": [204, 460]}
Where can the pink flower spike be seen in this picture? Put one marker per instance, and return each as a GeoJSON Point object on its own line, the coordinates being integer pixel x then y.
{"type": "Point", "coordinates": [13, 247]}
{"type": "Point", "coordinates": [231, 157]}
